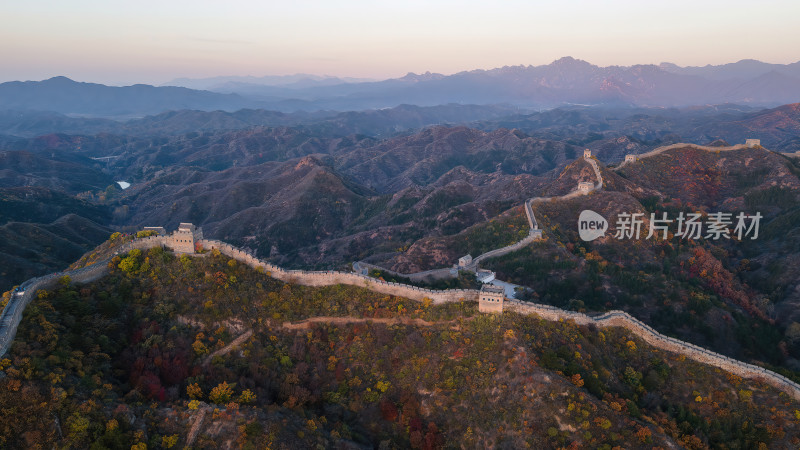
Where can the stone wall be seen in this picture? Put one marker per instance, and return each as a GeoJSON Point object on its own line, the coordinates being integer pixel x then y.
{"type": "Point", "coordinates": [597, 174]}
{"type": "Point", "coordinates": [683, 145]}
{"type": "Point", "coordinates": [531, 218]}
{"type": "Point", "coordinates": [609, 319]}
{"type": "Point", "coordinates": [12, 314]}
{"type": "Point", "coordinates": [144, 243]}
{"type": "Point", "coordinates": [658, 340]}
{"type": "Point", "coordinates": [330, 277]}
{"type": "Point", "coordinates": [507, 249]}
{"type": "Point", "coordinates": [424, 276]}
{"type": "Point", "coordinates": [576, 193]}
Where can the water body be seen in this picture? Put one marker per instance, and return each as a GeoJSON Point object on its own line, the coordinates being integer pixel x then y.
{"type": "Point", "coordinates": [123, 184]}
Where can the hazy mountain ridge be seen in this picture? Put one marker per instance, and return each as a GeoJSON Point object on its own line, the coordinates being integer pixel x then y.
{"type": "Point", "coordinates": [611, 132]}
{"type": "Point", "coordinates": [299, 80]}
{"type": "Point", "coordinates": [382, 122]}
{"type": "Point", "coordinates": [60, 94]}
{"type": "Point", "coordinates": [563, 82]}
{"type": "Point", "coordinates": [42, 230]}
{"type": "Point", "coordinates": [19, 168]}
{"type": "Point", "coordinates": [746, 68]}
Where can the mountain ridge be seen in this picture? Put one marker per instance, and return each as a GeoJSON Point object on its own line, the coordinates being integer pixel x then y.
{"type": "Point", "coordinates": [564, 81]}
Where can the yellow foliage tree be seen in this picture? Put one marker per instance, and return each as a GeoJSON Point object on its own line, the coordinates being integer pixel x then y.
{"type": "Point", "coordinates": [247, 396]}
{"type": "Point", "coordinates": [169, 441]}
{"type": "Point", "coordinates": [194, 391]}
{"type": "Point", "coordinates": [221, 394]}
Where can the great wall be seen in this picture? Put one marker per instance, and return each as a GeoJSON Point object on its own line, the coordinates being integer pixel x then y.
{"type": "Point", "coordinates": [751, 143]}
{"type": "Point", "coordinates": [534, 234]}
{"type": "Point", "coordinates": [12, 314]}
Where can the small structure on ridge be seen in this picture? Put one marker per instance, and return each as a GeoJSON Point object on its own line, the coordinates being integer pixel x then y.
{"type": "Point", "coordinates": [752, 143]}
{"type": "Point", "coordinates": [585, 186]}
{"type": "Point", "coordinates": [491, 299]}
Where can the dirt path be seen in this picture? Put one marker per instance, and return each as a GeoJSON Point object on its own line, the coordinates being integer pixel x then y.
{"type": "Point", "coordinates": [306, 323]}
{"type": "Point", "coordinates": [235, 343]}
{"type": "Point", "coordinates": [200, 415]}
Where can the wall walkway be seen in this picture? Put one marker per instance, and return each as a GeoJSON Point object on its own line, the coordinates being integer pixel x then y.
{"type": "Point", "coordinates": [331, 277]}
{"type": "Point", "coordinates": [12, 314]}
{"type": "Point", "coordinates": [658, 340]}
{"type": "Point", "coordinates": [660, 150]}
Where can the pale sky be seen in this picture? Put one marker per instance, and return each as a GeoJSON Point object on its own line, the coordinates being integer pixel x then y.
{"type": "Point", "coordinates": [146, 41]}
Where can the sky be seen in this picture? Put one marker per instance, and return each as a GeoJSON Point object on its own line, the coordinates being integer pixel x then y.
{"type": "Point", "coordinates": [124, 42]}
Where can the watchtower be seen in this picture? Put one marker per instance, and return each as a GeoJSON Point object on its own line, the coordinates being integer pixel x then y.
{"type": "Point", "coordinates": [464, 261]}
{"type": "Point", "coordinates": [587, 153]}
{"type": "Point", "coordinates": [585, 186]}
{"type": "Point", "coordinates": [631, 158]}
{"type": "Point", "coordinates": [491, 299]}
{"type": "Point", "coordinates": [752, 143]}
{"type": "Point", "coordinates": [183, 239]}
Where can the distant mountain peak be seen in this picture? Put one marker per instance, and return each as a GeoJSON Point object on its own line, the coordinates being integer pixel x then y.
{"type": "Point", "coordinates": [570, 61]}
{"type": "Point", "coordinates": [427, 76]}
{"type": "Point", "coordinates": [59, 79]}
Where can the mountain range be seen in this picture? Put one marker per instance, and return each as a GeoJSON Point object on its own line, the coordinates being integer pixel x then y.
{"type": "Point", "coordinates": [229, 83]}
{"type": "Point", "coordinates": [567, 81]}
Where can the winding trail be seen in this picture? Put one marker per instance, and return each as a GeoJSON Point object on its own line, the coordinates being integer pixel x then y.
{"type": "Point", "coordinates": [233, 344]}
{"type": "Point", "coordinates": [199, 417]}
{"type": "Point", "coordinates": [306, 323]}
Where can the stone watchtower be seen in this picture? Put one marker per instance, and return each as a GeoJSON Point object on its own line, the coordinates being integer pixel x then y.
{"type": "Point", "coordinates": [183, 239]}
{"type": "Point", "coordinates": [585, 186]}
{"type": "Point", "coordinates": [631, 158]}
{"type": "Point", "coordinates": [752, 143]}
{"type": "Point", "coordinates": [491, 299]}
{"type": "Point", "coordinates": [587, 153]}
